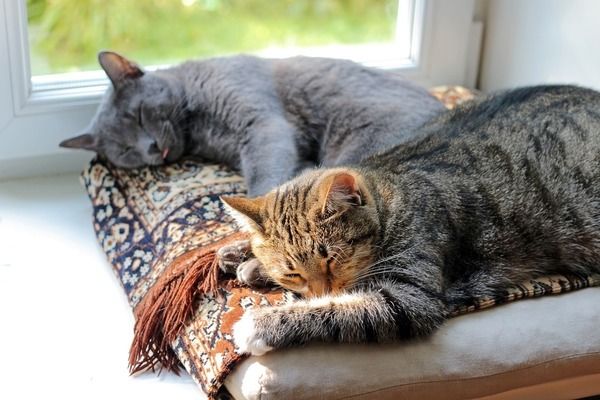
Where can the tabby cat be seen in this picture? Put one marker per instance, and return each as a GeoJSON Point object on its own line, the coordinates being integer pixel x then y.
{"type": "Point", "coordinates": [267, 118]}
{"type": "Point", "coordinates": [499, 190]}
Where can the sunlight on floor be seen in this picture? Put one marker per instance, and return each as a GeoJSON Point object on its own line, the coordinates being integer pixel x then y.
{"type": "Point", "coordinates": [71, 325]}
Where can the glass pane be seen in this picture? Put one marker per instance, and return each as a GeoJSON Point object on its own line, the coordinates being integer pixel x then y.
{"type": "Point", "coordinates": [65, 35]}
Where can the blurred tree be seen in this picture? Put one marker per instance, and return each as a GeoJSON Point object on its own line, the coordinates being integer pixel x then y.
{"type": "Point", "coordinates": [35, 9]}
{"type": "Point", "coordinates": [68, 33]}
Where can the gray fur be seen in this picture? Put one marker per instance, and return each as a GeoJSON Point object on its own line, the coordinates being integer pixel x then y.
{"type": "Point", "coordinates": [266, 118]}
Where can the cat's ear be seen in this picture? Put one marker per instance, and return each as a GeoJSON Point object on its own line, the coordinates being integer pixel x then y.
{"type": "Point", "coordinates": [118, 68]}
{"type": "Point", "coordinates": [247, 212]}
{"type": "Point", "coordinates": [85, 141]}
{"type": "Point", "coordinates": [339, 192]}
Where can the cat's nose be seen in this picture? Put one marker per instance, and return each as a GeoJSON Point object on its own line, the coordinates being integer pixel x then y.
{"type": "Point", "coordinates": [153, 148]}
{"type": "Point", "coordinates": [318, 287]}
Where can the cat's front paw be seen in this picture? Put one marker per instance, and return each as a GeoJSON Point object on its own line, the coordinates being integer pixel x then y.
{"type": "Point", "coordinates": [229, 257]}
{"type": "Point", "coordinates": [251, 273]}
{"type": "Point", "coordinates": [247, 337]}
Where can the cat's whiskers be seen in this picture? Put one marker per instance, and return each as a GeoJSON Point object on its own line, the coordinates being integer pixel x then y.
{"type": "Point", "coordinates": [375, 273]}
{"type": "Point", "coordinates": [371, 270]}
{"type": "Point", "coordinates": [338, 257]}
{"type": "Point", "coordinates": [338, 249]}
{"type": "Point", "coordinates": [178, 107]}
{"type": "Point", "coordinates": [377, 268]}
{"type": "Point", "coordinates": [178, 112]}
{"type": "Point", "coordinates": [162, 134]}
{"type": "Point", "coordinates": [383, 260]}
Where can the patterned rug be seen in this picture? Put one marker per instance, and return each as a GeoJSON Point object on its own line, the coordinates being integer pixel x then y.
{"type": "Point", "coordinates": [149, 220]}
{"type": "Point", "coordinates": [155, 223]}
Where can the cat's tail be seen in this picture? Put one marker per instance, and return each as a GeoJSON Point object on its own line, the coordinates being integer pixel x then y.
{"type": "Point", "coordinates": [480, 285]}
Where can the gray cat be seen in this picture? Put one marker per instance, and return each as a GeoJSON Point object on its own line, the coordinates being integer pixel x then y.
{"type": "Point", "coordinates": [267, 118]}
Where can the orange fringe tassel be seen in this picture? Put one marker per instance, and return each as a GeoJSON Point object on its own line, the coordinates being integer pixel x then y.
{"type": "Point", "coordinates": [162, 313]}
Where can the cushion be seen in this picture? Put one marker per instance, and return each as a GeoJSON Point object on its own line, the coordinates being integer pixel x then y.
{"type": "Point", "coordinates": [159, 227]}
{"type": "Point", "coordinates": [516, 345]}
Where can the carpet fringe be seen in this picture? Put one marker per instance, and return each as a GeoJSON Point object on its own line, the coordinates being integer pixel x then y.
{"type": "Point", "coordinates": [164, 310]}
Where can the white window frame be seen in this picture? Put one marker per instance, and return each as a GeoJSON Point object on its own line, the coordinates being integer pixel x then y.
{"type": "Point", "coordinates": [37, 113]}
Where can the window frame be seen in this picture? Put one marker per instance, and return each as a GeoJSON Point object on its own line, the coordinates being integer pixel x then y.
{"type": "Point", "coordinates": [62, 105]}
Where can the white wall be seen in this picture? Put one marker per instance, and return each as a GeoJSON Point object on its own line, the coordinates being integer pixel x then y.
{"type": "Point", "coordinates": [541, 41]}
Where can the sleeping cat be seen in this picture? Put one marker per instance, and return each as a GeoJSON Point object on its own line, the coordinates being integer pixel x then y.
{"type": "Point", "coordinates": [499, 190]}
{"type": "Point", "coordinates": [268, 119]}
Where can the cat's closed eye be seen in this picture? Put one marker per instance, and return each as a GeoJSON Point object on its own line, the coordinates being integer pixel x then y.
{"type": "Point", "coordinates": [126, 150]}
{"type": "Point", "coordinates": [293, 276]}
{"type": "Point", "coordinates": [140, 122]}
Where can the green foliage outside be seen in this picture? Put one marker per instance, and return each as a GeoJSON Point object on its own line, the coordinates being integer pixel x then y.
{"type": "Point", "coordinates": [66, 34]}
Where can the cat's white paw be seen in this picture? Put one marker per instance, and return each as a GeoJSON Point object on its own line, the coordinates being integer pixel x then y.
{"type": "Point", "coordinates": [245, 336]}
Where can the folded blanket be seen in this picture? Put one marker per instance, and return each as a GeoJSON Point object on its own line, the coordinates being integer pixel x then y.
{"type": "Point", "coordinates": [159, 227]}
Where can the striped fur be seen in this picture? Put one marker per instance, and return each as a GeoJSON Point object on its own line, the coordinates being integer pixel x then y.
{"type": "Point", "coordinates": [498, 191]}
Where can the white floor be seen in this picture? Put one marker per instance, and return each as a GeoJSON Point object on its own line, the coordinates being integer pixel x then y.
{"type": "Point", "coordinates": [65, 325]}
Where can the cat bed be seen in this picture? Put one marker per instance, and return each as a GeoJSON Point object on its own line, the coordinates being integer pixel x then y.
{"type": "Point", "coordinates": [159, 227]}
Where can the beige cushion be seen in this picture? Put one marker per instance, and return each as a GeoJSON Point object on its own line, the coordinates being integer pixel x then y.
{"type": "Point", "coordinates": [517, 345]}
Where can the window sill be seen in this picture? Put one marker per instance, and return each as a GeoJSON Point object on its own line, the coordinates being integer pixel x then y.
{"type": "Point", "coordinates": [66, 308]}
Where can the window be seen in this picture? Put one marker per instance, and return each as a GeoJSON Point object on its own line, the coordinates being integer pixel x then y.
{"type": "Point", "coordinates": [50, 85]}
{"type": "Point", "coordinates": [65, 35]}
